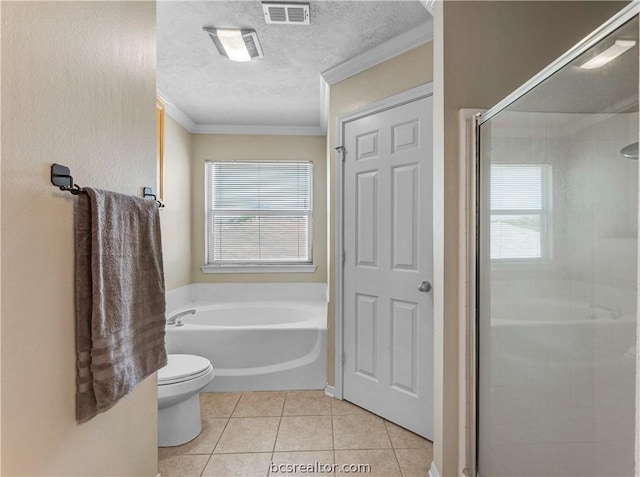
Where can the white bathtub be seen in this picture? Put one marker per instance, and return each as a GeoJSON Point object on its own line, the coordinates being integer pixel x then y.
{"type": "Point", "coordinates": [256, 345]}
{"type": "Point", "coordinates": [560, 344]}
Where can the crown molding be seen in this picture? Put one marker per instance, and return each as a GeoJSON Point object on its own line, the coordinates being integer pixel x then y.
{"type": "Point", "coordinates": [383, 52]}
{"type": "Point", "coordinates": [196, 128]}
{"type": "Point", "coordinates": [259, 130]}
{"type": "Point", "coordinates": [176, 113]}
{"type": "Point", "coordinates": [325, 92]}
{"type": "Point", "coordinates": [428, 4]}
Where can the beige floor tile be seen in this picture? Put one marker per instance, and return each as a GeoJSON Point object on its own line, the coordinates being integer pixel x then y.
{"type": "Point", "coordinates": [260, 404]}
{"type": "Point", "coordinates": [402, 438]}
{"type": "Point", "coordinates": [315, 463]}
{"type": "Point", "coordinates": [248, 434]}
{"type": "Point", "coordinates": [382, 463]}
{"type": "Point", "coordinates": [414, 462]}
{"type": "Point", "coordinates": [203, 444]}
{"type": "Point", "coordinates": [299, 433]}
{"type": "Point", "coordinates": [360, 431]}
{"type": "Point", "coordinates": [340, 408]}
{"type": "Point", "coordinates": [218, 404]}
{"type": "Point", "coordinates": [307, 403]}
{"type": "Point", "coordinates": [166, 452]}
{"type": "Point", "coordinates": [183, 466]}
{"type": "Point", "coordinates": [240, 465]}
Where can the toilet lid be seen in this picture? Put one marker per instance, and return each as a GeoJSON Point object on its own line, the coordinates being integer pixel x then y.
{"type": "Point", "coordinates": [181, 367]}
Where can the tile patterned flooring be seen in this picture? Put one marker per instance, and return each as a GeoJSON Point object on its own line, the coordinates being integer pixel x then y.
{"type": "Point", "coordinates": [252, 434]}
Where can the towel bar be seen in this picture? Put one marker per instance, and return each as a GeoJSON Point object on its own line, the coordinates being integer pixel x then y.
{"type": "Point", "coordinates": [62, 178]}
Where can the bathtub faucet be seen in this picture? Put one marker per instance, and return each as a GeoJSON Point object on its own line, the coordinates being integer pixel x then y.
{"type": "Point", "coordinates": [614, 313]}
{"type": "Point", "coordinates": [178, 317]}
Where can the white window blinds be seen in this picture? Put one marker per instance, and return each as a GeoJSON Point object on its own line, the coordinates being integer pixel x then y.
{"type": "Point", "coordinates": [259, 212]}
{"type": "Point", "coordinates": [520, 209]}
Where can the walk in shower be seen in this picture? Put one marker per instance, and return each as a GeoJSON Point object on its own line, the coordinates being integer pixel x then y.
{"type": "Point", "coordinates": [557, 266]}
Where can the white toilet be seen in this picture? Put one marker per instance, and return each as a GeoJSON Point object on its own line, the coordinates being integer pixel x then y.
{"type": "Point", "coordinates": [179, 383]}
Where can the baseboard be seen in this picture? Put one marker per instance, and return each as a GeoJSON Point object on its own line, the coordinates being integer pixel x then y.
{"type": "Point", "coordinates": [330, 391]}
{"type": "Point", "coordinates": [433, 470]}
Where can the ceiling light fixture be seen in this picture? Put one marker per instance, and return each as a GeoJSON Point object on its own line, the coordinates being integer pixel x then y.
{"type": "Point", "coordinates": [610, 54]}
{"type": "Point", "coordinates": [237, 45]}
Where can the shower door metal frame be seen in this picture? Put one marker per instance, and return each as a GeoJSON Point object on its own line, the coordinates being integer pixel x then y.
{"type": "Point", "coordinates": [469, 305]}
{"type": "Point", "coordinates": [615, 22]}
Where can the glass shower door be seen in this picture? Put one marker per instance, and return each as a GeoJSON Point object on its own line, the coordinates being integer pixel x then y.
{"type": "Point", "coordinates": [558, 241]}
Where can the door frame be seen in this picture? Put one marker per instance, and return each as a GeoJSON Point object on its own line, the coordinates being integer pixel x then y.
{"type": "Point", "coordinates": [408, 96]}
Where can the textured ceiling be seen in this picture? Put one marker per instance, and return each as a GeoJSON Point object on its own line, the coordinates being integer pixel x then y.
{"type": "Point", "coordinates": [283, 88]}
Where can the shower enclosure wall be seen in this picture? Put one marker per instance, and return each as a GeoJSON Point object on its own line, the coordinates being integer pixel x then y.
{"type": "Point", "coordinates": [557, 270]}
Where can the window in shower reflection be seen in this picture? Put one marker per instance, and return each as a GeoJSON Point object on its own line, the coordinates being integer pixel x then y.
{"type": "Point", "coordinates": [520, 212]}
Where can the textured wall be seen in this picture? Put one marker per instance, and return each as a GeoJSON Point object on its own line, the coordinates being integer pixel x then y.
{"type": "Point", "coordinates": [398, 74]}
{"type": "Point", "coordinates": [248, 147]}
{"type": "Point", "coordinates": [176, 215]}
{"type": "Point", "coordinates": [78, 88]}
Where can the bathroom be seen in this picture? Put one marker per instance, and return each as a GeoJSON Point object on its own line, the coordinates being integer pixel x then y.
{"type": "Point", "coordinates": [294, 356]}
{"type": "Point", "coordinates": [84, 100]}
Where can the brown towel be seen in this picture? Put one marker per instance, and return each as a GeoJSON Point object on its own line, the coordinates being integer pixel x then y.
{"type": "Point", "coordinates": [120, 302]}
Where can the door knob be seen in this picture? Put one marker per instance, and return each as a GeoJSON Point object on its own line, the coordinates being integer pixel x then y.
{"type": "Point", "coordinates": [425, 286]}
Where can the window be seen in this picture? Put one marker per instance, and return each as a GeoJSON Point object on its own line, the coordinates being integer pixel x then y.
{"type": "Point", "coordinates": [520, 212]}
{"type": "Point", "coordinates": [259, 213]}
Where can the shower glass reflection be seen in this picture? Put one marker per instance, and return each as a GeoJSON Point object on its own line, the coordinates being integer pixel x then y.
{"type": "Point", "coordinates": [558, 273]}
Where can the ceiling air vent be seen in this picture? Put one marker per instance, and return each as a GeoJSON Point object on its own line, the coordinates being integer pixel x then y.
{"type": "Point", "coordinates": [286, 13]}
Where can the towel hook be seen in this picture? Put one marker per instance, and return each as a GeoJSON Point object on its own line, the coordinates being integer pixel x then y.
{"type": "Point", "coordinates": [148, 192]}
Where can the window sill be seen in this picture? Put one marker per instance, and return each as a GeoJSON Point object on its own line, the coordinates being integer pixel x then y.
{"type": "Point", "coordinates": [258, 268]}
{"type": "Point", "coordinates": [521, 264]}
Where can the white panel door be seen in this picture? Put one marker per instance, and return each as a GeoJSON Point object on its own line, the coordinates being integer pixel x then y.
{"type": "Point", "coordinates": [388, 322]}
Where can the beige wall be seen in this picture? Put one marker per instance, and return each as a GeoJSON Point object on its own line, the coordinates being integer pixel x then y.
{"type": "Point", "coordinates": [1, 23]}
{"type": "Point", "coordinates": [176, 215]}
{"type": "Point", "coordinates": [484, 51]}
{"type": "Point", "coordinates": [229, 147]}
{"type": "Point", "coordinates": [78, 88]}
{"type": "Point", "coordinates": [398, 74]}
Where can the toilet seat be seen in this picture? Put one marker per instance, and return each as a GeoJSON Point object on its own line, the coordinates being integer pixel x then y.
{"type": "Point", "coordinates": [183, 367]}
